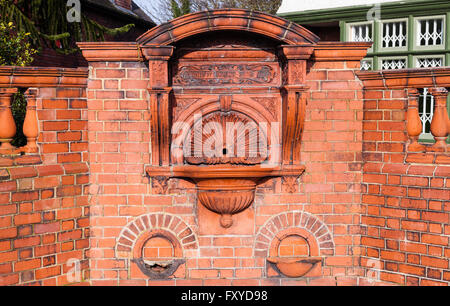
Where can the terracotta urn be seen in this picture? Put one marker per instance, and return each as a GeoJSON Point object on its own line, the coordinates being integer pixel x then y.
{"type": "Point", "coordinates": [226, 196]}
{"type": "Point", "coordinates": [225, 189]}
{"type": "Point", "coordinates": [294, 266]}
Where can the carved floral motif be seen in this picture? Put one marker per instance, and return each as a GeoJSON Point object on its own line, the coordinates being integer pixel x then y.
{"type": "Point", "coordinates": [290, 184]}
{"type": "Point", "coordinates": [160, 184]}
{"type": "Point", "coordinates": [268, 103]}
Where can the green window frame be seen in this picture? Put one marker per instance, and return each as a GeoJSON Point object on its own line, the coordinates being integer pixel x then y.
{"type": "Point", "coordinates": [417, 32]}
{"type": "Point", "coordinates": [399, 28]}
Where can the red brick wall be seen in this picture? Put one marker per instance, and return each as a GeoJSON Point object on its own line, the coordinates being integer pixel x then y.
{"type": "Point", "coordinates": [331, 151]}
{"type": "Point", "coordinates": [374, 213]}
{"type": "Point", "coordinates": [44, 208]}
{"type": "Point", "coordinates": [328, 193]}
{"type": "Point", "coordinates": [118, 150]}
{"type": "Point", "coordinates": [405, 203]}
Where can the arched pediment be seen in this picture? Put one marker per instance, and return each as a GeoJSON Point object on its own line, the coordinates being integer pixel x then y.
{"type": "Point", "coordinates": [287, 32]}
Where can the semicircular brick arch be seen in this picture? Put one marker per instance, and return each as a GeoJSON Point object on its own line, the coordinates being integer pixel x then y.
{"type": "Point", "coordinates": [161, 222]}
{"type": "Point", "coordinates": [228, 19]}
{"type": "Point", "coordinates": [294, 220]}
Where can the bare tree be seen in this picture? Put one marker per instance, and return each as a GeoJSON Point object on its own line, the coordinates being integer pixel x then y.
{"type": "Point", "coordinates": [267, 6]}
{"type": "Point", "coordinates": [164, 10]}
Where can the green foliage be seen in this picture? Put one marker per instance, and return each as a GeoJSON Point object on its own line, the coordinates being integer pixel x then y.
{"type": "Point", "coordinates": [15, 49]}
{"type": "Point", "coordinates": [179, 9]}
{"type": "Point", "coordinates": [46, 21]}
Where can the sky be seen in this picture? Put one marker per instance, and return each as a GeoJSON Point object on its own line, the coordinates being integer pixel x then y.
{"type": "Point", "coordinates": [149, 6]}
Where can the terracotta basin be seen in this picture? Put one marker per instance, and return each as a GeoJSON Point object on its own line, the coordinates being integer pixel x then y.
{"type": "Point", "coordinates": [158, 269]}
{"type": "Point", "coordinates": [294, 266]}
{"type": "Point", "coordinates": [225, 189]}
{"type": "Point", "coordinates": [226, 196]}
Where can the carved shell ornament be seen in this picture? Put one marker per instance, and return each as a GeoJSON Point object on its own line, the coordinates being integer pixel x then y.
{"type": "Point", "coordinates": [225, 138]}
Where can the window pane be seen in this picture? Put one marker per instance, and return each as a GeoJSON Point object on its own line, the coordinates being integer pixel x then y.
{"type": "Point", "coordinates": [390, 64]}
{"type": "Point", "coordinates": [394, 34]}
{"type": "Point", "coordinates": [431, 32]}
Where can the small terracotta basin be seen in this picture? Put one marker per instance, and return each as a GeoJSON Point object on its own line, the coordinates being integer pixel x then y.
{"type": "Point", "coordinates": [226, 196]}
{"type": "Point", "coordinates": [225, 189]}
{"type": "Point", "coordinates": [294, 266]}
{"type": "Point", "coordinates": [158, 269]}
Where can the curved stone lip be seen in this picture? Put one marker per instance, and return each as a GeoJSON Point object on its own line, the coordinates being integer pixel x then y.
{"type": "Point", "coordinates": [169, 267]}
{"type": "Point", "coordinates": [291, 260]}
{"type": "Point", "coordinates": [220, 171]}
{"type": "Point", "coordinates": [218, 183]}
{"type": "Point", "coordinates": [293, 266]}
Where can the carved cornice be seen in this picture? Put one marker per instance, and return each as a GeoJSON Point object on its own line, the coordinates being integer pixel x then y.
{"type": "Point", "coordinates": [43, 77]}
{"type": "Point", "coordinates": [340, 51]}
{"type": "Point", "coordinates": [406, 78]}
{"type": "Point", "coordinates": [111, 51]}
{"type": "Point", "coordinates": [297, 52]}
{"type": "Point", "coordinates": [162, 53]}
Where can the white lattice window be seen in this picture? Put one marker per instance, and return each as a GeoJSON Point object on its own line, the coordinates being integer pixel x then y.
{"type": "Point", "coordinates": [394, 34]}
{"type": "Point", "coordinates": [426, 110]}
{"type": "Point", "coordinates": [429, 61]}
{"type": "Point", "coordinates": [367, 64]}
{"type": "Point", "coordinates": [393, 63]}
{"type": "Point", "coordinates": [430, 31]}
{"type": "Point", "coordinates": [361, 32]}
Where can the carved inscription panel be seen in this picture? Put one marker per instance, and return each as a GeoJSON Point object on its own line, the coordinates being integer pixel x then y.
{"type": "Point", "coordinates": [255, 74]}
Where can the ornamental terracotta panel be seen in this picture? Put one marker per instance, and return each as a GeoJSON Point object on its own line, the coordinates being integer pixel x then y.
{"type": "Point", "coordinates": [227, 95]}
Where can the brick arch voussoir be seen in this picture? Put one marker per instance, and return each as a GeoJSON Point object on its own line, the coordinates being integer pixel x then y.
{"type": "Point", "coordinates": [161, 222]}
{"type": "Point", "coordinates": [290, 221]}
{"type": "Point", "coordinates": [185, 26]}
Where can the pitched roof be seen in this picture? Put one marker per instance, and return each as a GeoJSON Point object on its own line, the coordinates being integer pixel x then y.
{"type": "Point", "coordinates": [136, 14]}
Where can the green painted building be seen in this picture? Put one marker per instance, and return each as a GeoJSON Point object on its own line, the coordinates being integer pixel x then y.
{"type": "Point", "coordinates": [405, 34]}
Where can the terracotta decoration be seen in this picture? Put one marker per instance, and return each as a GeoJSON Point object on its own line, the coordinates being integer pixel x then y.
{"type": "Point", "coordinates": [157, 267]}
{"type": "Point", "coordinates": [7, 124]}
{"type": "Point", "coordinates": [298, 262]}
{"type": "Point", "coordinates": [440, 123]}
{"type": "Point", "coordinates": [413, 122]}
{"type": "Point", "coordinates": [294, 267]}
{"type": "Point", "coordinates": [253, 82]}
{"type": "Point", "coordinates": [30, 125]}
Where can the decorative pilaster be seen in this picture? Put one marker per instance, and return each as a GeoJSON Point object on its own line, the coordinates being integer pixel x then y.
{"type": "Point", "coordinates": [7, 124]}
{"type": "Point", "coordinates": [294, 105]}
{"type": "Point", "coordinates": [159, 90]}
{"type": "Point", "coordinates": [413, 124]}
{"type": "Point", "coordinates": [160, 125]}
{"type": "Point", "coordinates": [30, 125]}
{"type": "Point", "coordinates": [440, 123]}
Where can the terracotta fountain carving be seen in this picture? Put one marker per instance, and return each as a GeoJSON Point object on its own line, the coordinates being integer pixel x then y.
{"type": "Point", "coordinates": [294, 265]}
{"type": "Point", "coordinates": [227, 106]}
